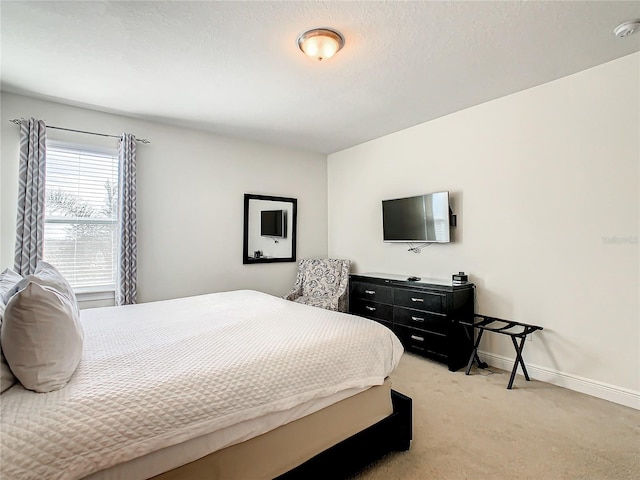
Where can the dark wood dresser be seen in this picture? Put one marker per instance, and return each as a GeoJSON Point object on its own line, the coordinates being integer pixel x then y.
{"type": "Point", "coordinates": [425, 316]}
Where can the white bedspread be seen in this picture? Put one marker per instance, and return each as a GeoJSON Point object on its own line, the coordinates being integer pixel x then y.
{"type": "Point", "coordinates": [156, 374]}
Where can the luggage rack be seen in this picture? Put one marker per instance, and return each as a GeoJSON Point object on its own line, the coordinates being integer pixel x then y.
{"type": "Point", "coordinates": [506, 327]}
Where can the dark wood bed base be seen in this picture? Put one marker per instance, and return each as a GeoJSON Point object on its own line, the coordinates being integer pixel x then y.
{"type": "Point", "coordinates": [393, 433]}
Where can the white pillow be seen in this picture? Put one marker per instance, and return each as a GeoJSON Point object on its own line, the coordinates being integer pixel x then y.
{"type": "Point", "coordinates": [46, 275]}
{"type": "Point", "coordinates": [7, 379]}
{"type": "Point", "coordinates": [41, 333]}
{"type": "Point", "coordinates": [8, 279]}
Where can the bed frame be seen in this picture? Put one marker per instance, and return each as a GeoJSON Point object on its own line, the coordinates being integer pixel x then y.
{"type": "Point", "coordinates": [346, 458]}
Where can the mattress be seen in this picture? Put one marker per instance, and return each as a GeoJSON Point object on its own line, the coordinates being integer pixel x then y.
{"type": "Point", "coordinates": [272, 453]}
{"type": "Point", "coordinates": [159, 374]}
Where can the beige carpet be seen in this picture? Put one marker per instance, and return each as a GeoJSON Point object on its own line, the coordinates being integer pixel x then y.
{"type": "Point", "coordinates": [472, 427]}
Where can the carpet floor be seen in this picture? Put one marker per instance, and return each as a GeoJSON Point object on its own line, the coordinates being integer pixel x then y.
{"type": "Point", "coordinates": [472, 427]}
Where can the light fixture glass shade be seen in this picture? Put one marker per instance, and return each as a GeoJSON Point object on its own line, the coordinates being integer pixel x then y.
{"type": "Point", "coordinates": [320, 43]}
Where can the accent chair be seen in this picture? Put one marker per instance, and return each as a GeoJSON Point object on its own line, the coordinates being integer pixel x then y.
{"type": "Point", "coordinates": [322, 283]}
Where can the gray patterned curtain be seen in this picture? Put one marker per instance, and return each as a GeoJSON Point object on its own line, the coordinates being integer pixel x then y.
{"type": "Point", "coordinates": [127, 243]}
{"type": "Point", "coordinates": [31, 177]}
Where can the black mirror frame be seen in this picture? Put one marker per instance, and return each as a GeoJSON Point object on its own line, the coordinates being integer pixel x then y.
{"type": "Point", "coordinates": [246, 259]}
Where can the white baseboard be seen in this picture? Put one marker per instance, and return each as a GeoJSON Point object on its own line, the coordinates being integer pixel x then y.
{"type": "Point", "coordinates": [612, 393]}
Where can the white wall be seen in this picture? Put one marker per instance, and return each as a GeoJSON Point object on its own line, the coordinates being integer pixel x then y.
{"type": "Point", "coordinates": [545, 186]}
{"type": "Point", "coordinates": [189, 183]}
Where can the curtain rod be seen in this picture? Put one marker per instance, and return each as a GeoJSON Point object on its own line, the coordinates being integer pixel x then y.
{"type": "Point", "coordinates": [18, 121]}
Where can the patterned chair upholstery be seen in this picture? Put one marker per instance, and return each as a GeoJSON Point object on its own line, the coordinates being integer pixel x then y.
{"type": "Point", "coordinates": [322, 283]}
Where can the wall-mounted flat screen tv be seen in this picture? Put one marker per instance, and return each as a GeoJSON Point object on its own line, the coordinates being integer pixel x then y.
{"type": "Point", "coordinates": [422, 218]}
{"type": "Point", "coordinates": [273, 223]}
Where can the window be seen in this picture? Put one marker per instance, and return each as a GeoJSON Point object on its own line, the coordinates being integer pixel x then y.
{"type": "Point", "coordinates": [80, 221]}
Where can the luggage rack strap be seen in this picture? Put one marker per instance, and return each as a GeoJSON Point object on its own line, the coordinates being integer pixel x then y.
{"type": "Point", "coordinates": [487, 323]}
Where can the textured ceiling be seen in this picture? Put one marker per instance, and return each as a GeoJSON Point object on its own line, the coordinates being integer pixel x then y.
{"type": "Point", "coordinates": [234, 67]}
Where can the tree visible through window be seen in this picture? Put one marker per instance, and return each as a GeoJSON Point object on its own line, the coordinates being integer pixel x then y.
{"type": "Point", "coordinates": [80, 224]}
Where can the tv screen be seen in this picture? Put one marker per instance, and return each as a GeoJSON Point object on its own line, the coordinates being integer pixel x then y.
{"type": "Point", "coordinates": [273, 223]}
{"type": "Point", "coordinates": [423, 218]}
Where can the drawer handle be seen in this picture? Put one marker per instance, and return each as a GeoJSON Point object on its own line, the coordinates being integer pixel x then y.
{"type": "Point", "coordinates": [417, 299]}
{"type": "Point", "coordinates": [416, 337]}
{"type": "Point", "coordinates": [371, 309]}
{"type": "Point", "coordinates": [370, 292]}
{"type": "Point", "coordinates": [417, 319]}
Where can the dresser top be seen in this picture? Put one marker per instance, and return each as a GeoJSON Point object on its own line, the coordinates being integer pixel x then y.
{"type": "Point", "coordinates": [423, 282]}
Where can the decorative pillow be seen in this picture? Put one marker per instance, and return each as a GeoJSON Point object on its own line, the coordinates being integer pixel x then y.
{"type": "Point", "coordinates": [41, 333]}
{"type": "Point", "coordinates": [8, 279]}
{"type": "Point", "coordinates": [46, 275]}
{"type": "Point", "coordinates": [7, 379]}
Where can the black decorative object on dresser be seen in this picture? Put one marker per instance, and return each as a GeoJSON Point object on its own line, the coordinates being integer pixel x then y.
{"type": "Point", "coordinates": [425, 316]}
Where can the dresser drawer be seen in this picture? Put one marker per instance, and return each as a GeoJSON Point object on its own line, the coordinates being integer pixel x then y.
{"type": "Point", "coordinates": [419, 341]}
{"type": "Point", "coordinates": [428, 301]}
{"type": "Point", "coordinates": [372, 292]}
{"type": "Point", "coordinates": [425, 316]}
{"type": "Point", "coordinates": [374, 310]}
{"type": "Point", "coordinates": [438, 323]}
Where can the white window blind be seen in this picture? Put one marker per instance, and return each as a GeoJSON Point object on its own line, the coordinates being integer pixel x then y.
{"type": "Point", "coordinates": [80, 224]}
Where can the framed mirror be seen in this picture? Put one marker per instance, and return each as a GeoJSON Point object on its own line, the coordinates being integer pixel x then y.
{"type": "Point", "coordinates": [269, 229]}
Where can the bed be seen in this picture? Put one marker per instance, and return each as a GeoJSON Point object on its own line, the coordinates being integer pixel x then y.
{"type": "Point", "coordinates": [236, 384]}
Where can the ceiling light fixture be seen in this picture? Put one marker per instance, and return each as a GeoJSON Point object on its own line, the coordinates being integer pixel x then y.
{"type": "Point", "coordinates": [321, 43]}
{"type": "Point", "coordinates": [627, 28]}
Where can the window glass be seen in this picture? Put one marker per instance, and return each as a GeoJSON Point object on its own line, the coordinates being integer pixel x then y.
{"type": "Point", "coordinates": [80, 225]}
